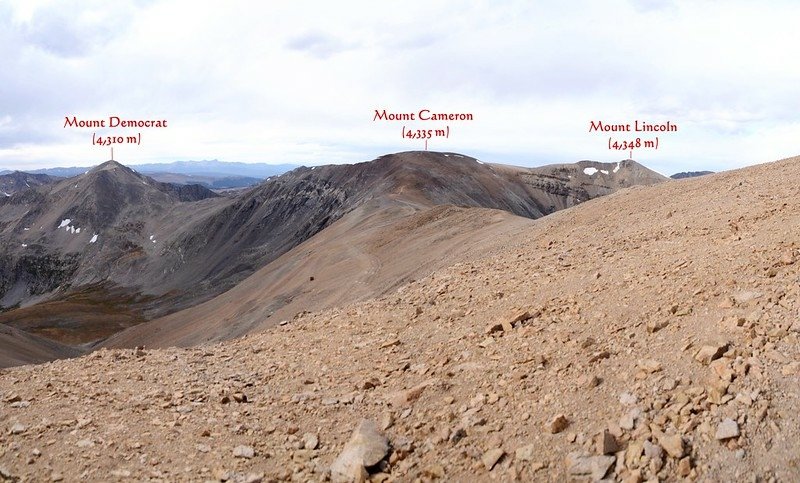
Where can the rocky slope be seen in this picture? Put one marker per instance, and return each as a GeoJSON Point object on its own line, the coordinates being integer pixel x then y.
{"type": "Point", "coordinates": [648, 334]}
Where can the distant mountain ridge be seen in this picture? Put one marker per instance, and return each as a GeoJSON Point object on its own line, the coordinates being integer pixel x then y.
{"type": "Point", "coordinates": [209, 173]}
{"type": "Point", "coordinates": [15, 181]}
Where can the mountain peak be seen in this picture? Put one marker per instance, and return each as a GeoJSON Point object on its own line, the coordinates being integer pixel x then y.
{"type": "Point", "coordinates": [109, 165]}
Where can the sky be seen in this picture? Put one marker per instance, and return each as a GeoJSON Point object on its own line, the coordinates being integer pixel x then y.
{"type": "Point", "coordinates": [299, 82]}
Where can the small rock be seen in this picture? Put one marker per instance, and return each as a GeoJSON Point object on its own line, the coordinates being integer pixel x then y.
{"type": "Point", "coordinates": [558, 424]}
{"type": "Point", "coordinates": [633, 454]}
{"type": "Point", "coordinates": [310, 441]}
{"type": "Point", "coordinates": [390, 343]}
{"type": "Point", "coordinates": [672, 444]}
{"type": "Point", "coordinates": [589, 381]}
{"type": "Point", "coordinates": [745, 297]}
{"type": "Point", "coordinates": [524, 453]}
{"type": "Point", "coordinates": [727, 429]}
{"type": "Point", "coordinates": [791, 369]}
{"type": "Point", "coordinates": [583, 465]}
{"type": "Point", "coordinates": [55, 476]}
{"type": "Point", "coordinates": [408, 396]}
{"type": "Point", "coordinates": [628, 399]}
{"type": "Point", "coordinates": [653, 451]}
{"type": "Point", "coordinates": [722, 368]}
{"type": "Point", "coordinates": [491, 457]}
{"type": "Point", "coordinates": [599, 355]}
{"type": "Point", "coordinates": [606, 443]}
{"type": "Point", "coordinates": [650, 366]}
{"type": "Point", "coordinates": [203, 448]}
{"type": "Point", "coordinates": [628, 421]}
{"type": "Point", "coordinates": [18, 428]}
{"type": "Point", "coordinates": [457, 435]}
{"type": "Point", "coordinates": [708, 353]}
{"type": "Point", "coordinates": [85, 443]}
{"type": "Point", "coordinates": [387, 420]}
{"type": "Point", "coordinates": [243, 451]}
{"type": "Point", "coordinates": [366, 447]}
{"type": "Point", "coordinates": [684, 467]}
{"type": "Point", "coordinates": [434, 472]}
{"type": "Point", "coordinates": [654, 326]}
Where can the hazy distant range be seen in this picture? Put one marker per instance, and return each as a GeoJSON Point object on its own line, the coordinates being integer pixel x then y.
{"type": "Point", "coordinates": [212, 174]}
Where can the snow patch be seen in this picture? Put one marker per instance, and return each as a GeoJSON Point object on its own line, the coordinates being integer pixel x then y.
{"type": "Point", "coordinates": [604, 171]}
{"type": "Point", "coordinates": [590, 171]}
{"type": "Point", "coordinates": [26, 229]}
{"type": "Point", "coordinates": [65, 222]}
{"type": "Point", "coordinates": [24, 245]}
{"type": "Point", "coordinates": [152, 236]}
{"type": "Point", "coordinates": [479, 162]}
{"type": "Point", "coordinates": [6, 193]}
{"type": "Point", "coordinates": [94, 238]}
{"type": "Point", "coordinates": [616, 168]}
{"type": "Point", "coordinates": [154, 241]}
{"type": "Point", "coordinates": [77, 230]}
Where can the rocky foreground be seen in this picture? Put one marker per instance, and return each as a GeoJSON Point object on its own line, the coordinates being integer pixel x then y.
{"type": "Point", "coordinates": [648, 335]}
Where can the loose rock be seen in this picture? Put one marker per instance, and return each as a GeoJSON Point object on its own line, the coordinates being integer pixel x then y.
{"type": "Point", "coordinates": [583, 465]}
{"type": "Point", "coordinates": [558, 424]}
{"type": "Point", "coordinates": [243, 451]}
{"type": "Point", "coordinates": [491, 457]}
{"type": "Point", "coordinates": [366, 447]}
{"type": "Point", "coordinates": [727, 429]}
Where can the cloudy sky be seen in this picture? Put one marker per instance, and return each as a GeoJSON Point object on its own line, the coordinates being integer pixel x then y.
{"type": "Point", "coordinates": [300, 81]}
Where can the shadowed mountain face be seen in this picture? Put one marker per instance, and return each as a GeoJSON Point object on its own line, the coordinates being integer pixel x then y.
{"type": "Point", "coordinates": [116, 243]}
{"type": "Point", "coordinates": [690, 174]}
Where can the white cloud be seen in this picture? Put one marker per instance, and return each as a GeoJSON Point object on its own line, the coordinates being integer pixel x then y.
{"type": "Point", "coordinates": [298, 81]}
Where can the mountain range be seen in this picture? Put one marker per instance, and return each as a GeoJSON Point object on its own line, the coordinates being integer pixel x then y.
{"type": "Point", "coordinates": [209, 173]}
{"type": "Point", "coordinates": [101, 252]}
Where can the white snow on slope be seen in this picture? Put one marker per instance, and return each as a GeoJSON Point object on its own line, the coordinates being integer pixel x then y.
{"type": "Point", "coordinates": [616, 168]}
{"type": "Point", "coordinates": [590, 171]}
{"type": "Point", "coordinates": [65, 222]}
{"type": "Point", "coordinates": [94, 238]}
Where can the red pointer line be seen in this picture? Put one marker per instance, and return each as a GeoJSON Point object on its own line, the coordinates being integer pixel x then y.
{"type": "Point", "coordinates": [631, 156]}
{"type": "Point", "coordinates": [426, 145]}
